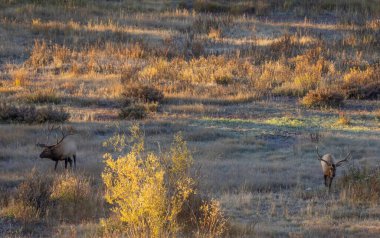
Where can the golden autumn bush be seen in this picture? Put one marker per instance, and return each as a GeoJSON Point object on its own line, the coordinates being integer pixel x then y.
{"type": "Point", "coordinates": [273, 75]}
{"type": "Point", "coordinates": [305, 72]}
{"type": "Point", "coordinates": [323, 98]}
{"type": "Point", "coordinates": [211, 223]}
{"type": "Point", "coordinates": [20, 76]}
{"type": "Point", "coordinates": [201, 70]}
{"type": "Point", "coordinates": [148, 192]}
{"type": "Point", "coordinates": [362, 84]}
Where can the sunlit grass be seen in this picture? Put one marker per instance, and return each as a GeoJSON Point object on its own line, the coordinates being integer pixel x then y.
{"type": "Point", "coordinates": [231, 82]}
{"type": "Point", "coordinates": [308, 124]}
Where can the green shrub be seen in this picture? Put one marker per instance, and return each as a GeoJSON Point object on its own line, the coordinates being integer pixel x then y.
{"type": "Point", "coordinates": [31, 114]}
{"type": "Point", "coordinates": [323, 98]}
{"type": "Point", "coordinates": [136, 111]}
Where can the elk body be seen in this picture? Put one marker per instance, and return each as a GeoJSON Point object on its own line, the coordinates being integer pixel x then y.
{"type": "Point", "coordinates": [63, 150]}
{"type": "Point", "coordinates": [329, 166]}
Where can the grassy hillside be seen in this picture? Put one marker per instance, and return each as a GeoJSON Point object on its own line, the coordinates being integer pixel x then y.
{"type": "Point", "coordinates": [252, 86]}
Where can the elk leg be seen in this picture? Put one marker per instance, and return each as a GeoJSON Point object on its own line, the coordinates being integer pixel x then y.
{"type": "Point", "coordinates": [65, 163]}
{"type": "Point", "coordinates": [70, 162]}
{"type": "Point", "coordinates": [56, 163]}
{"type": "Point", "coordinates": [325, 180]}
{"type": "Point", "coordinates": [75, 161]}
{"type": "Point", "coordinates": [330, 182]}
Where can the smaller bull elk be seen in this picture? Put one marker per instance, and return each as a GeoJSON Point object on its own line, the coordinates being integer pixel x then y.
{"type": "Point", "coordinates": [64, 150]}
{"type": "Point", "coordinates": [329, 166]}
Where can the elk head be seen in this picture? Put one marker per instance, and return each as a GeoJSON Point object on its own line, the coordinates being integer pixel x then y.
{"type": "Point", "coordinates": [48, 148]}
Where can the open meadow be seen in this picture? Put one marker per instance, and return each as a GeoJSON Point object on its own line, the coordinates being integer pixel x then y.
{"type": "Point", "coordinates": [191, 118]}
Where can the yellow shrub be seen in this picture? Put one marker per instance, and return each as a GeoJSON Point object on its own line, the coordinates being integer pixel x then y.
{"type": "Point", "coordinates": [307, 75]}
{"type": "Point", "coordinates": [214, 33]}
{"type": "Point", "coordinates": [70, 188]}
{"type": "Point", "coordinates": [61, 55]}
{"type": "Point", "coordinates": [20, 76]}
{"type": "Point", "coordinates": [309, 71]}
{"type": "Point", "coordinates": [274, 74]}
{"type": "Point", "coordinates": [343, 119]}
{"type": "Point", "coordinates": [149, 72]}
{"type": "Point", "coordinates": [202, 70]}
{"type": "Point", "coordinates": [40, 55]}
{"type": "Point", "coordinates": [212, 223]}
{"type": "Point", "coordinates": [154, 195]}
{"type": "Point", "coordinates": [362, 84]}
{"type": "Point", "coordinates": [358, 76]}
{"type": "Point", "coordinates": [323, 98]}
{"type": "Point", "coordinates": [160, 70]}
{"type": "Point", "coordinates": [147, 191]}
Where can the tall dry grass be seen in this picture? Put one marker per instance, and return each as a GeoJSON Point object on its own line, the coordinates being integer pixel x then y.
{"type": "Point", "coordinates": [55, 198]}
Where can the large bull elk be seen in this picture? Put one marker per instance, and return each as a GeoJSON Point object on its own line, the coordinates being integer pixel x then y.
{"type": "Point", "coordinates": [329, 166]}
{"type": "Point", "coordinates": [64, 150]}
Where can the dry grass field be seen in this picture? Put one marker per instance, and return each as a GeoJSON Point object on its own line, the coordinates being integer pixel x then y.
{"type": "Point", "coordinates": [252, 86]}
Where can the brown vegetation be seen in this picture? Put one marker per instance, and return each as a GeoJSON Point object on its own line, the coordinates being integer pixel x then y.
{"type": "Point", "coordinates": [31, 114]}
{"type": "Point", "coordinates": [323, 98]}
{"type": "Point", "coordinates": [361, 186]}
{"type": "Point", "coordinates": [232, 75]}
{"type": "Point", "coordinates": [54, 198]}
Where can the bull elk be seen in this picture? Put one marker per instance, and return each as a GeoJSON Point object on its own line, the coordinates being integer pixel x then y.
{"type": "Point", "coordinates": [329, 166]}
{"type": "Point", "coordinates": [64, 150]}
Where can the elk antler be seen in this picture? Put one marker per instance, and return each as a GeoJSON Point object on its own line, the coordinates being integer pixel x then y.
{"type": "Point", "coordinates": [64, 135]}
{"type": "Point", "coordinates": [340, 162]}
{"type": "Point", "coordinates": [320, 156]}
{"type": "Point", "coordinates": [49, 130]}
